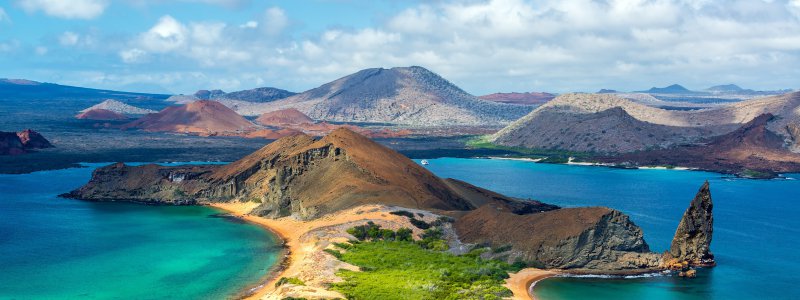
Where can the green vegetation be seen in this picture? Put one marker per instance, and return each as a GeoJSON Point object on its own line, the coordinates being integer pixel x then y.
{"type": "Point", "coordinates": [547, 155]}
{"type": "Point", "coordinates": [289, 280]}
{"type": "Point", "coordinates": [747, 173]}
{"type": "Point", "coordinates": [401, 268]}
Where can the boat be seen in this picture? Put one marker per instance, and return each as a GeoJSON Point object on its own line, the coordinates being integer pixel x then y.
{"type": "Point", "coordinates": [424, 162]}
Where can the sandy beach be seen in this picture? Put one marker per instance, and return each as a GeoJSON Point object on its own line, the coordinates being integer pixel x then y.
{"type": "Point", "coordinates": [519, 283]}
{"type": "Point", "coordinates": [305, 242]}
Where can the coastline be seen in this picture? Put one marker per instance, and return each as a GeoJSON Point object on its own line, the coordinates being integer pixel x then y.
{"type": "Point", "coordinates": [521, 283]}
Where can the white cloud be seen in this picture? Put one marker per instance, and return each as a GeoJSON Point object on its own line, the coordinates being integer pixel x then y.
{"type": "Point", "coordinates": [275, 20]}
{"type": "Point", "coordinates": [132, 56]}
{"type": "Point", "coordinates": [67, 9]}
{"type": "Point", "coordinates": [249, 24]}
{"type": "Point", "coordinates": [167, 35]}
{"type": "Point", "coordinates": [40, 50]}
{"type": "Point", "coordinates": [68, 38]}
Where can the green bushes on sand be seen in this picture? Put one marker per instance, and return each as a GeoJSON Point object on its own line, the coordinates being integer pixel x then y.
{"type": "Point", "coordinates": [405, 269]}
{"type": "Point", "coordinates": [289, 280]}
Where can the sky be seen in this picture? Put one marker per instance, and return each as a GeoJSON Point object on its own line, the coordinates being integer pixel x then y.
{"type": "Point", "coordinates": [483, 46]}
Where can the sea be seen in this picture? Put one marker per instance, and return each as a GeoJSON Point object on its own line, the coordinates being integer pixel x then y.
{"type": "Point", "coordinates": [756, 237]}
{"type": "Point", "coordinates": [56, 248]}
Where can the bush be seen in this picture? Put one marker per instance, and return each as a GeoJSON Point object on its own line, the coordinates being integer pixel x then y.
{"type": "Point", "coordinates": [289, 280]}
{"type": "Point", "coordinates": [403, 213]}
{"type": "Point", "coordinates": [419, 224]}
{"type": "Point", "coordinates": [502, 248]}
{"type": "Point", "coordinates": [335, 253]}
{"type": "Point", "coordinates": [404, 234]}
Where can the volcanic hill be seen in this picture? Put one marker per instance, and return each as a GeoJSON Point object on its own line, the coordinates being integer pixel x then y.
{"type": "Point", "coordinates": [752, 151]}
{"type": "Point", "coordinates": [289, 116]}
{"type": "Point", "coordinates": [199, 117]}
{"type": "Point", "coordinates": [119, 108]}
{"type": "Point", "coordinates": [100, 115]}
{"type": "Point", "coordinates": [15, 143]}
{"type": "Point", "coordinates": [408, 96]}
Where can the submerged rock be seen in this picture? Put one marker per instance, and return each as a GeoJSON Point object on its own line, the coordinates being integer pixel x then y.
{"type": "Point", "coordinates": [692, 241]}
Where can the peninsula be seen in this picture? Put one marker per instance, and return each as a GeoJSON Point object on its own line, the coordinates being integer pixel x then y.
{"type": "Point", "coordinates": [317, 192]}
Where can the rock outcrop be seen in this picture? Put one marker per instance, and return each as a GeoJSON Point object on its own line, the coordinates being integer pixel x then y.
{"type": "Point", "coordinates": [692, 241]}
{"type": "Point", "coordinates": [595, 238]}
{"type": "Point", "coordinates": [15, 143]}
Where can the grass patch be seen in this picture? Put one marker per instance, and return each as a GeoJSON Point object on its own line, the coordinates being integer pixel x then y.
{"type": "Point", "coordinates": [405, 270]}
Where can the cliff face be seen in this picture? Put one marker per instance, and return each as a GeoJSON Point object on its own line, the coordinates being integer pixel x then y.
{"type": "Point", "coordinates": [692, 240]}
{"type": "Point", "coordinates": [569, 238]}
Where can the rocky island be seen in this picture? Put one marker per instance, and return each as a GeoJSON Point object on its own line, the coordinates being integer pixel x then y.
{"type": "Point", "coordinates": [311, 190]}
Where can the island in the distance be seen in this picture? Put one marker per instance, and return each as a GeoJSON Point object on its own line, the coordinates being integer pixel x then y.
{"type": "Point", "coordinates": [319, 193]}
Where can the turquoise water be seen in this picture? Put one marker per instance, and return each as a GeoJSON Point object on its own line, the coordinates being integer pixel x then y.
{"type": "Point", "coordinates": [54, 248]}
{"type": "Point", "coordinates": [756, 230]}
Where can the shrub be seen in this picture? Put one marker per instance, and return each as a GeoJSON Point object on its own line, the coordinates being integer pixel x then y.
{"type": "Point", "coordinates": [403, 213]}
{"type": "Point", "coordinates": [419, 224]}
{"type": "Point", "coordinates": [502, 248]}
{"type": "Point", "coordinates": [404, 234]}
{"type": "Point", "coordinates": [289, 280]}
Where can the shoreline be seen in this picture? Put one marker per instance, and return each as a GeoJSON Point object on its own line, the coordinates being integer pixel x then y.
{"type": "Point", "coordinates": [274, 272]}
{"type": "Point", "coordinates": [521, 283]}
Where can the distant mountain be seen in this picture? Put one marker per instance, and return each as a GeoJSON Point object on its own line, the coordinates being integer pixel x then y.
{"type": "Point", "coordinates": [209, 95]}
{"type": "Point", "coordinates": [409, 96]}
{"type": "Point", "coordinates": [119, 108]}
{"type": "Point", "coordinates": [199, 117]}
{"type": "Point", "coordinates": [528, 98]}
{"type": "Point", "coordinates": [100, 114]}
{"type": "Point", "coordinates": [726, 88]}
{"type": "Point", "coordinates": [752, 147]}
{"type": "Point", "coordinates": [289, 116]}
{"type": "Point", "coordinates": [607, 91]}
{"type": "Point", "coordinates": [672, 89]}
{"type": "Point", "coordinates": [601, 123]}
{"type": "Point", "coordinates": [27, 89]}
{"type": "Point", "coordinates": [262, 94]}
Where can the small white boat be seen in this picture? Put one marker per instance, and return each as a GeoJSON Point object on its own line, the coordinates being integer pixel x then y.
{"type": "Point", "coordinates": [424, 162]}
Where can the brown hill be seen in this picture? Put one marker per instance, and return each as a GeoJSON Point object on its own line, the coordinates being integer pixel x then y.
{"type": "Point", "coordinates": [200, 117]}
{"type": "Point", "coordinates": [297, 175]}
{"type": "Point", "coordinates": [101, 115]}
{"type": "Point", "coordinates": [751, 150]}
{"type": "Point", "coordinates": [283, 117]}
{"type": "Point", "coordinates": [528, 98]}
{"type": "Point", "coordinates": [15, 143]}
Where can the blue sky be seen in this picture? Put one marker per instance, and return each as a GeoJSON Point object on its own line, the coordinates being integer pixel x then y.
{"type": "Point", "coordinates": [483, 46]}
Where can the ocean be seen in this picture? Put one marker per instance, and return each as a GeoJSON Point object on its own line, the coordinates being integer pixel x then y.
{"type": "Point", "coordinates": [55, 248]}
{"type": "Point", "coordinates": [756, 229]}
